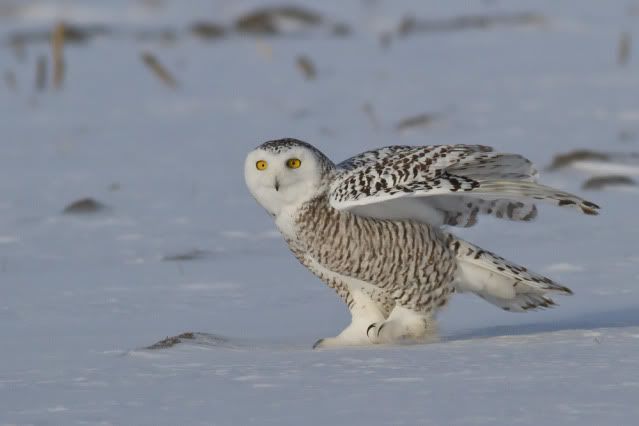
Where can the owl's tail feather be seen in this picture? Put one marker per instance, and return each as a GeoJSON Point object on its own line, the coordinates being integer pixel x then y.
{"type": "Point", "coordinates": [500, 282]}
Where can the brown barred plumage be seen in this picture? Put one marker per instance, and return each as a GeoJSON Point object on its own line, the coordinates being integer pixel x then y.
{"type": "Point", "coordinates": [409, 261]}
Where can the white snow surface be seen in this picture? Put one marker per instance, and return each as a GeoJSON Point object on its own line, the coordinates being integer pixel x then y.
{"type": "Point", "coordinates": [80, 296]}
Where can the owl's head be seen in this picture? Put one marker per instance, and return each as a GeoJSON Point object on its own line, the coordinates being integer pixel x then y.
{"type": "Point", "coordinates": [286, 172]}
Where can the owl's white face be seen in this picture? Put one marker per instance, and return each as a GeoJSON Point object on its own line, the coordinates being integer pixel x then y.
{"type": "Point", "coordinates": [282, 178]}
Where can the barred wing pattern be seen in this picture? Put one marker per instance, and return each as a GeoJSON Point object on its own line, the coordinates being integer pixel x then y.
{"type": "Point", "coordinates": [444, 185]}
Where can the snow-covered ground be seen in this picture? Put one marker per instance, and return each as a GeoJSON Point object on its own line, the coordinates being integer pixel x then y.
{"type": "Point", "coordinates": [80, 295]}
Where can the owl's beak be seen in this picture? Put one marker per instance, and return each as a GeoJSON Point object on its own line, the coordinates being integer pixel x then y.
{"type": "Point", "coordinates": [277, 185]}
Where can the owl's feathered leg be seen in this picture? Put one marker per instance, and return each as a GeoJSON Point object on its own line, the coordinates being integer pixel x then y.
{"type": "Point", "coordinates": [403, 325]}
{"type": "Point", "coordinates": [364, 311]}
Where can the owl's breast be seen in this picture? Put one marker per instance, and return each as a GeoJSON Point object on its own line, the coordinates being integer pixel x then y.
{"type": "Point", "coordinates": [382, 252]}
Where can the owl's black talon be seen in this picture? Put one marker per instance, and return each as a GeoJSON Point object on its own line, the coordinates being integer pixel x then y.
{"type": "Point", "coordinates": [316, 344]}
{"type": "Point", "coordinates": [380, 328]}
{"type": "Point", "coordinates": [369, 328]}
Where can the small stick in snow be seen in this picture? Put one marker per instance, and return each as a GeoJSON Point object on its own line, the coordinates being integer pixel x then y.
{"type": "Point", "coordinates": [159, 70]}
{"type": "Point", "coordinates": [207, 30]}
{"type": "Point", "coordinates": [306, 67]}
{"type": "Point", "coordinates": [421, 120]}
{"type": "Point", "coordinates": [57, 50]}
{"type": "Point", "coordinates": [41, 73]}
{"type": "Point", "coordinates": [623, 49]}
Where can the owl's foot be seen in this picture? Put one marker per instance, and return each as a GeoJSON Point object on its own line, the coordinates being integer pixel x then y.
{"type": "Point", "coordinates": [403, 325]}
{"type": "Point", "coordinates": [353, 335]}
{"type": "Point", "coordinates": [363, 312]}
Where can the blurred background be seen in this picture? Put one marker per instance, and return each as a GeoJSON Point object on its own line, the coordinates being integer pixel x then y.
{"type": "Point", "coordinates": [124, 124]}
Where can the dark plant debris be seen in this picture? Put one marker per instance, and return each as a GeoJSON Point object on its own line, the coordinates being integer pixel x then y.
{"type": "Point", "coordinates": [266, 21]}
{"type": "Point", "coordinates": [158, 69]}
{"type": "Point", "coordinates": [84, 206]}
{"type": "Point", "coordinates": [618, 158]}
{"type": "Point", "coordinates": [421, 120]}
{"type": "Point", "coordinates": [207, 30]}
{"type": "Point", "coordinates": [41, 73]}
{"type": "Point", "coordinates": [261, 21]}
{"type": "Point", "coordinates": [169, 342]}
{"type": "Point", "coordinates": [564, 160]}
{"type": "Point", "coordinates": [306, 67]}
{"type": "Point", "coordinates": [624, 48]}
{"type": "Point", "coordinates": [195, 254]}
{"type": "Point", "coordinates": [601, 182]}
{"type": "Point", "coordinates": [411, 25]}
{"type": "Point", "coordinates": [73, 33]}
{"type": "Point", "coordinates": [205, 339]}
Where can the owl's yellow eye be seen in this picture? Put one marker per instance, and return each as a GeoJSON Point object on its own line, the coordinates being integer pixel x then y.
{"type": "Point", "coordinates": [261, 165]}
{"type": "Point", "coordinates": [294, 163]}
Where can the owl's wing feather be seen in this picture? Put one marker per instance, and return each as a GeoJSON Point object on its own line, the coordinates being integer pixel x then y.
{"type": "Point", "coordinates": [444, 185]}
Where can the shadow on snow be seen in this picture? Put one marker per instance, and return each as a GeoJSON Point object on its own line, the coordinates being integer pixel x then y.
{"type": "Point", "coordinates": [626, 317]}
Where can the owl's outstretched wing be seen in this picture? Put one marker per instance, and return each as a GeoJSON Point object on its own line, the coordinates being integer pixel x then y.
{"type": "Point", "coordinates": [444, 185]}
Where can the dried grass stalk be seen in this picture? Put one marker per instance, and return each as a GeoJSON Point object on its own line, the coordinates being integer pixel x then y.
{"type": "Point", "coordinates": [158, 69]}
{"type": "Point", "coordinates": [41, 73]}
{"type": "Point", "coordinates": [306, 66]}
{"type": "Point", "coordinates": [57, 47]}
{"type": "Point", "coordinates": [623, 49]}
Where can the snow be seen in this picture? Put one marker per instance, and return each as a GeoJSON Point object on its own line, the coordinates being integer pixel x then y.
{"type": "Point", "coordinates": [82, 295]}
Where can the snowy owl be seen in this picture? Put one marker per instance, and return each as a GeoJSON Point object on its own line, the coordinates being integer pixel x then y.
{"type": "Point", "coordinates": [374, 229]}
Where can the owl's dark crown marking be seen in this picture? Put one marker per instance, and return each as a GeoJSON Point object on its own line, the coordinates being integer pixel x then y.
{"type": "Point", "coordinates": [278, 146]}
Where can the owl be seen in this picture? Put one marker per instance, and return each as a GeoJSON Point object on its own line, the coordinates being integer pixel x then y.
{"type": "Point", "coordinates": [376, 229]}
